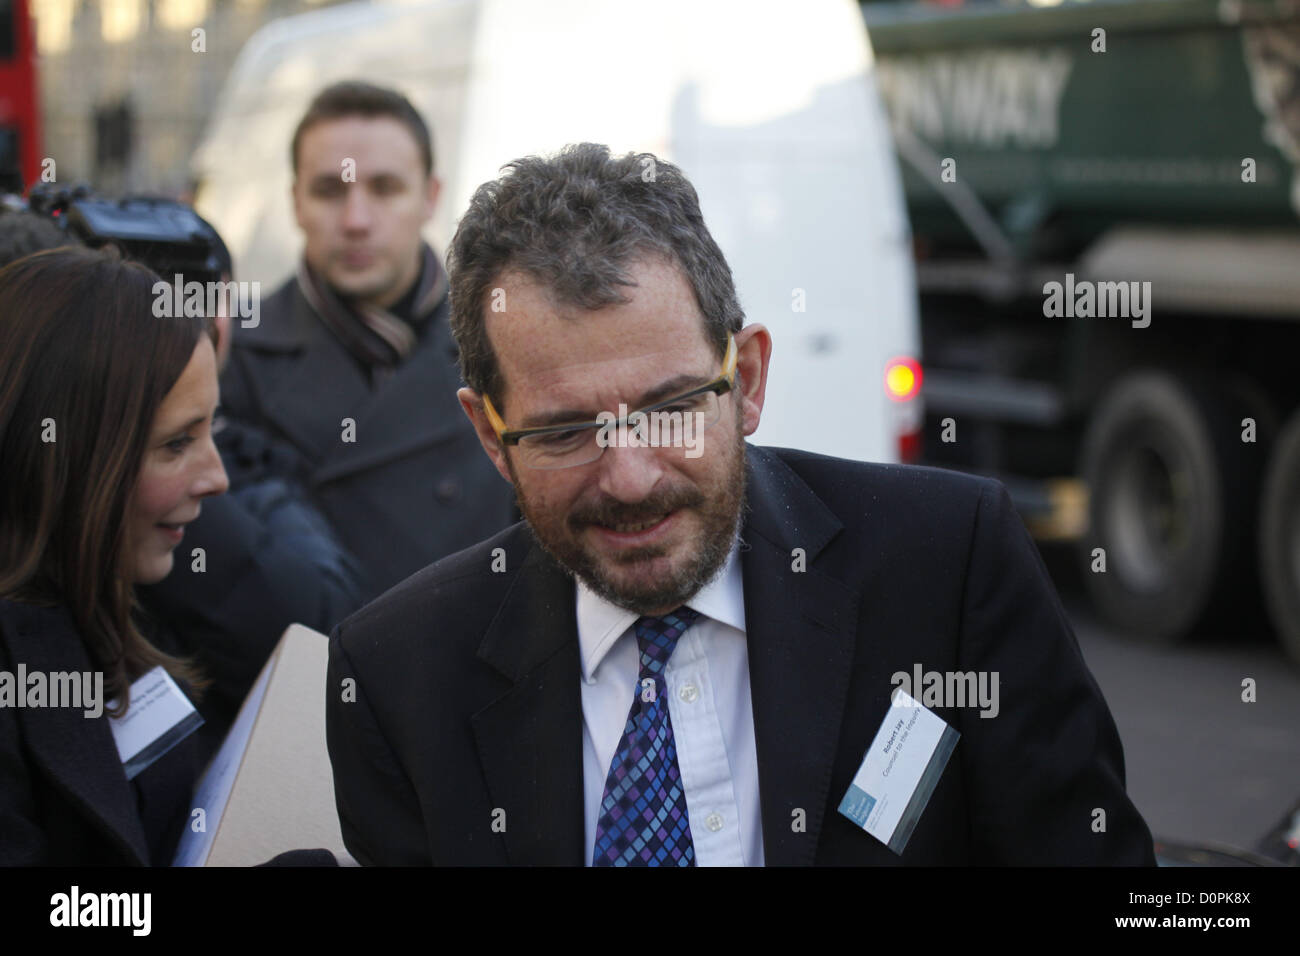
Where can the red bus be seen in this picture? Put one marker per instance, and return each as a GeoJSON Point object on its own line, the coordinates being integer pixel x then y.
{"type": "Point", "coordinates": [20, 134]}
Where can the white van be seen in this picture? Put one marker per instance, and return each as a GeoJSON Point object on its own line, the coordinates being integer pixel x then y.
{"type": "Point", "coordinates": [770, 109]}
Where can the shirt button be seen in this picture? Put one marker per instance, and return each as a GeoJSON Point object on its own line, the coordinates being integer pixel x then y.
{"type": "Point", "coordinates": [714, 822]}
{"type": "Point", "coordinates": [689, 693]}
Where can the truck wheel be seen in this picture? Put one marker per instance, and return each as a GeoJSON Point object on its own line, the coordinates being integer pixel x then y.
{"type": "Point", "coordinates": [1279, 537]}
{"type": "Point", "coordinates": [1172, 491]}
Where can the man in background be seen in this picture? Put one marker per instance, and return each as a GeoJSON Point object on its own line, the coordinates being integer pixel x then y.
{"type": "Point", "coordinates": [352, 362]}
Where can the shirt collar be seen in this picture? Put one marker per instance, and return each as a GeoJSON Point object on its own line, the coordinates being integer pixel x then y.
{"type": "Point", "coordinates": [601, 624]}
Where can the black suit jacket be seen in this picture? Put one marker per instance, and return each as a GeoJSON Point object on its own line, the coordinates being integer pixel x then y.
{"type": "Point", "coordinates": [64, 798]}
{"type": "Point", "coordinates": [467, 696]}
{"type": "Point", "coordinates": [414, 485]}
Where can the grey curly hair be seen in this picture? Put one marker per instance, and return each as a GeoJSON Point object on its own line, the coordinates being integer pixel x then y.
{"type": "Point", "coordinates": [573, 222]}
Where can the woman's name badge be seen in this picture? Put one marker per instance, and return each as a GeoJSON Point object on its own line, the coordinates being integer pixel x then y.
{"type": "Point", "coordinates": [900, 771]}
{"type": "Point", "coordinates": [160, 717]}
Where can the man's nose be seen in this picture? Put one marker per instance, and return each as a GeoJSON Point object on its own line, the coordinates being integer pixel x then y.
{"type": "Point", "coordinates": [356, 208]}
{"type": "Point", "coordinates": [629, 474]}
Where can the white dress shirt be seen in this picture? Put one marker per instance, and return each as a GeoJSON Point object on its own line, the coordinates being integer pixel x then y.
{"type": "Point", "coordinates": [709, 705]}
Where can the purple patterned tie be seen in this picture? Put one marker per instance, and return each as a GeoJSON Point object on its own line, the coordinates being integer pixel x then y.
{"type": "Point", "coordinates": [643, 819]}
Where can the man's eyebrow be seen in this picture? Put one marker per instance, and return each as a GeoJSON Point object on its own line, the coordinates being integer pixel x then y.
{"type": "Point", "coordinates": [665, 389]}
{"type": "Point", "coordinates": [330, 178]}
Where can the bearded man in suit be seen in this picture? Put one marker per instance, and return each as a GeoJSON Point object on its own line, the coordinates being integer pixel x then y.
{"type": "Point", "coordinates": [685, 651]}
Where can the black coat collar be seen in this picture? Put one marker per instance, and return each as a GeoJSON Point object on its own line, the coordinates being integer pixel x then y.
{"type": "Point", "coordinates": [415, 409]}
{"type": "Point", "coordinates": [77, 753]}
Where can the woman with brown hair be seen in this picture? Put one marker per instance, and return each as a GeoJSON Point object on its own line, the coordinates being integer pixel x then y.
{"type": "Point", "coordinates": [106, 452]}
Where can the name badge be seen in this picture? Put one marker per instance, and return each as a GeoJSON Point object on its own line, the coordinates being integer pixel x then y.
{"type": "Point", "coordinates": [160, 717]}
{"type": "Point", "coordinates": [900, 771]}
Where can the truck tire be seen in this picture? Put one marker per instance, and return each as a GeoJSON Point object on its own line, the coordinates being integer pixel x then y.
{"type": "Point", "coordinates": [1172, 492]}
{"type": "Point", "coordinates": [1279, 537]}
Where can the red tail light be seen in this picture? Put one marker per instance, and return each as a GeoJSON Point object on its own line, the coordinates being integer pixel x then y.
{"type": "Point", "coordinates": [903, 386]}
{"type": "Point", "coordinates": [909, 447]}
{"type": "Point", "coordinates": [902, 379]}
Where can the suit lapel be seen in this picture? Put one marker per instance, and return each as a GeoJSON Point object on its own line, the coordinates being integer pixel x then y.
{"type": "Point", "coordinates": [78, 753]}
{"type": "Point", "coordinates": [416, 408]}
{"type": "Point", "coordinates": [802, 634]}
{"type": "Point", "coordinates": [530, 738]}
{"type": "Point", "coordinates": [291, 355]}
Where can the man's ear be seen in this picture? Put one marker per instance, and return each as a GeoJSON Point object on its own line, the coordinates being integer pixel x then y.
{"type": "Point", "coordinates": [754, 352]}
{"type": "Point", "coordinates": [222, 323]}
{"type": "Point", "coordinates": [293, 198]}
{"type": "Point", "coordinates": [472, 403]}
{"type": "Point", "coordinates": [432, 192]}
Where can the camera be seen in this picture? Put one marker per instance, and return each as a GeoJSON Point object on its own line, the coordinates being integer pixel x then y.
{"type": "Point", "coordinates": [167, 236]}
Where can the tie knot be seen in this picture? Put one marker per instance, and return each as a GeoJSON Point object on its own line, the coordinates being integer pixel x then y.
{"type": "Point", "coordinates": [657, 636]}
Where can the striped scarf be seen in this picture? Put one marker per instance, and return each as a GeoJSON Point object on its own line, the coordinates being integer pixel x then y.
{"type": "Point", "coordinates": [377, 338]}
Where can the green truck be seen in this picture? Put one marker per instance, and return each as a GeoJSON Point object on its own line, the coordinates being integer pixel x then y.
{"type": "Point", "coordinates": [1105, 207]}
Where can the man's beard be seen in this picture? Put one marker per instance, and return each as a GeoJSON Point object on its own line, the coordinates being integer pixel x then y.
{"type": "Point", "coordinates": [721, 516]}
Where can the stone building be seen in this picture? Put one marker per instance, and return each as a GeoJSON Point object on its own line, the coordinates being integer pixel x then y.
{"type": "Point", "coordinates": [127, 85]}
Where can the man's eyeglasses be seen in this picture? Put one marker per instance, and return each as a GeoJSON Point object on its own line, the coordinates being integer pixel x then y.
{"type": "Point", "coordinates": [578, 443]}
